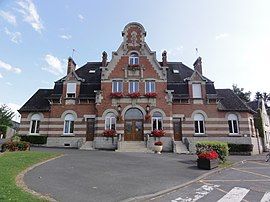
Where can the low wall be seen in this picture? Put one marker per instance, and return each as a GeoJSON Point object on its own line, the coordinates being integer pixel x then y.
{"type": "Point", "coordinates": [74, 142]}
{"type": "Point", "coordinates": [167, 143]}
{"type": "Point", "coordinates": [105, 143]}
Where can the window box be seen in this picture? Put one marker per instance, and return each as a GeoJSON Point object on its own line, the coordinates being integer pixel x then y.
{"type": "Point", "coordinates": [117, 95]}
{"type": "Point", "coordinates": [134, 95]}
{"type": "Point", "coordinates": [151, 95]}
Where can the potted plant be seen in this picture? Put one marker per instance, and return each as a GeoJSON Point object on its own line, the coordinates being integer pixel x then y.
{"type": "Point", "coordinates": [109, 133]}
{"type": "Point", "coordinates": [117, 95]}
{"type": "Point", "coordinates": [151, 95]}
{"type": "Point", "coordinates": [134, 95]}
{"type": "Point", "coordinates": [158, 133]}
{"type": "Point", "coordinates": [207, 160]}
{"type": "Point", "coordinates": [158, 147]}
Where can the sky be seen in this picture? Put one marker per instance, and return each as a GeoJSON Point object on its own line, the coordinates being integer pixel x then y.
{"type": "Point", "coordinates": [37, 37]}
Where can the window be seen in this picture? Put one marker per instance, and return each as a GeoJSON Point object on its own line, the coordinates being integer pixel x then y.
{"type": "Point", "coordinates": [197, 90]}
{"type": "Point", "coordinates": [117, 86]}
{"type": "Point", "coordinates": [35, 122]}
{"type": "Point", "coordinates": [199, 124]}
{"type": "Point", "coordinates": [150, 87]}
{"type": "Point", "coordinates": [69, 124]}
{"type": "Point", "coordinates": [110, 121]}
{"type": "Point", "coordinates": [233, 124]}
{"type": "Point", "coordinates": [133, 86]}
{"type": "Point", "coordinates": [176, 71]}
{"type": "Point", "coordinates": [157, 121]}
{"type": "Point", "coordinates": [133, 59]}
{"type": "Point", "coordinates": [71, 90]}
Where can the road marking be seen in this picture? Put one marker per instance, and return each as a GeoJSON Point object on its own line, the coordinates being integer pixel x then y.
{"type": "Point", "coordinates": [245, 171]}
{"type": "Point", "coordinates": [237, 180]}
{"type": "Point", "coordinates": [236, 195]}
{"type": "Point", "coordinates": [266, 197]}
{"type": "Point", "coordinates": [200, 193]}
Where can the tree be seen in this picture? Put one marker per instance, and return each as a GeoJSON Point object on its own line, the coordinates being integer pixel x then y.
{"type": "Point", "coordinates": [264, 96]}
{"type": "Point", "coordinates": [244, 96]}
{"type": "Point", "coordinates": [6, 115]}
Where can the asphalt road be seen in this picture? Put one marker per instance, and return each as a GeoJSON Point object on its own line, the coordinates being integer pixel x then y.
{"type": "Point", "coordinates": [248, 181]}
{"type": "Point", "coordinates": [110, 176]}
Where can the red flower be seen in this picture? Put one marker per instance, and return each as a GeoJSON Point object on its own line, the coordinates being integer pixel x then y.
{"type": "Point", "coordinates": [134, 95]}
{"type": "Point", "coordinates": [208, 155]}
{"type": "Point", "coordinates": [159, 143]}
{"type": "Point", "coordinates": [109, 133]}
{"type": "Point", "coordinates": [117, 95]}
{"type": "Point", "coordinates": [158, 133]}
{"type": "Point", "coordinates": [151, 95]}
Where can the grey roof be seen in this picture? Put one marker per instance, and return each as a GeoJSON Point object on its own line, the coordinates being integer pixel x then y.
{"type": "Point", "coordinates": [229, 101]}
{"type": "Point", "coordinates": [254, 105]}
{"type": "Point", "coordinates": [38, 102]}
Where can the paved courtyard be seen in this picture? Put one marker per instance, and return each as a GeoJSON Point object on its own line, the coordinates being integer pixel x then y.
{"type": "Point", "coordinates": [110, 176]}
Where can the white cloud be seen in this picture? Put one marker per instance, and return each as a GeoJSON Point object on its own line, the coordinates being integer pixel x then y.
{"type": "Point", "coordinates": [1, 76]}
{"type": "Point", "coordinates": [30, 14]}
{"type": "Point", "coordinates": [54, 65]}
{"type": "Point", "coordinates": [221, 36]}
{"type": "Point", "coordinates": [67, 36]}
{"type": "Point", "coordinates": [8, 17]}
{"type": "Point", "coordinates": [173, 53]}
{"type": "Point", "coordinates": [10, 68]}
{"type": "Point", "coordinates": [9, 84]}
{"type": "Point", "coordinates": [15, 37]}
{"type": "Point", "coordinates": [80, 16]}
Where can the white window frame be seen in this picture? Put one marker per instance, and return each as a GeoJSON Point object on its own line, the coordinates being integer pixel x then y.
{"type": "Point", "coordinates": [71, 90]}
{"type": "Point", "coordinates": [132, 86]}
{"type": "Point", "coordinates": [149, 88]}
{"type": "Point", "coordinates": [110, 120]}
{"type": "Point", "coordinates": [199, 119]}
{"type": "Point", "coordinates": [157, 118]}
{"type": "Point", "coordinates": [119, 86]}
{"type": "Point", "coordinates": [35, 121]}
{"type": "Point", "coordinates": [69, 122]}
{"type": "Point", "coordinates": [233, 120]}
{"type": "Point", "coordinates": [196, 90]}
{"type": "Point", "coordinates": [134, 59]}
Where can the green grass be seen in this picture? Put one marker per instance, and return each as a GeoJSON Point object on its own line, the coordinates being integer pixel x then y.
{"type": "Point", "coordinates": [11, 164]}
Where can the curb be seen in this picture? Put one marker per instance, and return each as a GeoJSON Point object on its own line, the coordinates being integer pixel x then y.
{"type": "Point", "coordinates": [21, 184]}
{"type": "Point", "coordinates": [148, 196]}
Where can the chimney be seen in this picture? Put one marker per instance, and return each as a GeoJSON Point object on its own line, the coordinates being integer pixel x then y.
{"type": "Point", "coordinates": [104, 59]}
{"type": "Point", "coordinates": [164, 58]}
{"type": "Point", "coordinates": [198, 65]}
{"type": "Point", "coordinates": [71, 65]}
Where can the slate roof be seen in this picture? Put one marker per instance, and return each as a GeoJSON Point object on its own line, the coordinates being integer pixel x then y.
{"type": "Point", "coordinates": [254, 105]}
{"type": "Point", "coordinates": [229, 101]}
{"type": "Point", "coordinates": [38, 102]}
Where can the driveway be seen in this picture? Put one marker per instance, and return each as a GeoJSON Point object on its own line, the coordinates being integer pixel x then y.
{"type": "Point", "coordinates": [110, 176]}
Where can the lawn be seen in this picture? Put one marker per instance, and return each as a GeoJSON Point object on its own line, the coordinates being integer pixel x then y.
{"type": "Point", "coordinates": [11, 164]}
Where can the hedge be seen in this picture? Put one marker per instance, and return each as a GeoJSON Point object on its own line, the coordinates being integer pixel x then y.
{"type": "Point", "coordinates": [3, 130]}
{"type": "Point", "coordinates": [220, 147]}
{"type": "Point", "coordinates": [240, 147]}
{"type": "Point", "coordinates": [15, 146]}
{"type": "Point", "coordinates": [34, 139]}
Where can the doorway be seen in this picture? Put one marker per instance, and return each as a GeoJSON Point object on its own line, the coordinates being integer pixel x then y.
{"type": "Point", "coordinates": [133, 125]}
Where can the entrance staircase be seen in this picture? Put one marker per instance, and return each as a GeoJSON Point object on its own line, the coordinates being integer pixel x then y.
{"type": "Point", "coordinates": [88, 145]}
{"type": "Point", "coordinates": [180, 148]}
{"type": "Point", "coordinates": [132, 146]}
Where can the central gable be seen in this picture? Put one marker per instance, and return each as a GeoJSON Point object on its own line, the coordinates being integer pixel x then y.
{"type": "Point", "coordinates": [134, 44]}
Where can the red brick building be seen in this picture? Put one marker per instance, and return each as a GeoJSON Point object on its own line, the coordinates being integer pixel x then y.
{"type": "Point", "coordinates": [134, 94]}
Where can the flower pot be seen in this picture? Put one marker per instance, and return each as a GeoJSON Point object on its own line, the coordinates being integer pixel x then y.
{"type": "Point", "coordinates": [158, 149]}
{"type": "Point", "coordinates": [207, 164]}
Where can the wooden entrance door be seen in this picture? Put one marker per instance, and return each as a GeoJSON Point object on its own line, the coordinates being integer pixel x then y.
{"type": "Point", "coordinates": [177, 129]}
{"type": "Point", "coordinates": [133, 130]}
{"type": "Point", "coordinates": [90, 129]}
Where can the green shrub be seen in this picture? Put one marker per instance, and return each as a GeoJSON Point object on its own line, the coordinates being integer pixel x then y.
{"type": "Point", "coordinates": [220, 147]}
{"type": "Point", "coordinates": [15, 146]}
{"type": "Point", "coordinates": [34, 139]}
{"type": "Point", "coordinates": [3, 130]}
{"type": "Point", "coordinates": [16, 138]}
{"type": "Point", "coordinates": [240, 147]}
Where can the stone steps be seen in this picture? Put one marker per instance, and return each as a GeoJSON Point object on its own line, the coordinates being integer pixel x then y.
{"type": "Point", "coordinates": [132, 146]}
{"type": "Point", "coordinates": [180, 148]}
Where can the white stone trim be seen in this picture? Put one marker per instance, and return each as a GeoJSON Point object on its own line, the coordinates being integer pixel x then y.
{"type": "Point", "coordinates": [198, 111]}
{"type": "Point", "coordinates": [69, 112]}
{"type": "Point", "coordinates": [108, 111]}
{"type": "Point", "coordinates": [89, 116]}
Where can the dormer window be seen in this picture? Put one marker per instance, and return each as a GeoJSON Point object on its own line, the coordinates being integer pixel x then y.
{"type": "Point", "coordinates": [197, 90]}
{"type": "Point", "coordinates": [134, 59]}
{"type": "Point", "coordinates": [92, 71]}
{"type": "Point", "coordinates": [71, 90]}
{"type": "Point", "coordinates": [175, 71]}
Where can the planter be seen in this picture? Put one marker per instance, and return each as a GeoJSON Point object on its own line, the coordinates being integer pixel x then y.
{"type": "Point", "coordinates": [207, 164]}
{"type": "Point", "coordinates": [158, 149]}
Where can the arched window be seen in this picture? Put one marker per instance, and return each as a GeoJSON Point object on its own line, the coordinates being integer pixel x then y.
{"type": "Point", "coordinates": [199, 124]}
{"type": "Point", "coordinates": [110, 121]}
{"type": "Point", "coordinates": [35, 122]}
{"type": "Point", "coordinates": [134, 59]}
{"type": "Point", "coordinates": [157, 121]}
{"type": "Point", "coordinates": [69, 124]}
{"type": "Point", "coordinates": [233, 124]}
